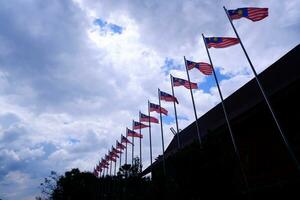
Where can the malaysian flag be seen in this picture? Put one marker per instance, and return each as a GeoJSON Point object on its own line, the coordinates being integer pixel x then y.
{"type": "Point", "coordinates": [104, 163]}
{"type": "Point", "coordinates": [158, 109]}
{"type": "Point", "coordinates": [254, 14]}
{"type": "Point", "coordinates": [146, 118]}
{"type": "Point", "coordinates": [112, 158]}
{"type": "Point", "coordinates": [203, 67]}
{"type": "Point", "coordinates": [120, 146]}
{"type": "Point", "coordinates": [185, 83]}
{"type": "Point", "coordinates": [113, 149]}
{"type": "Point", "coordinates": [220, 42]}
{"type": "Point", "coordinates": [113, 155]}
{"type": "Point", "coordinates": [98, 168]}
{"type": "Point", "coordinates": [125, 140]}
{"type": "Point", "coordinates": [107, 158]}
{"type": "Point", "coordinates": [167, 97]}
{"type": "Point", "coordinates": [131, 133]}
{"type": "Point", "coordinates": [95, 172]}
{"type": "Point", "coordinates": [139, 125]}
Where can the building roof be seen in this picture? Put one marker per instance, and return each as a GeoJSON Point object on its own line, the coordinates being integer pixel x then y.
{"type": "Point", "coordinates": [274, 79]}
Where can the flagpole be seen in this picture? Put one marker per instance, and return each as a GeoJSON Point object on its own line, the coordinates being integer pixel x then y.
{"type": "Point", "coordinates": [120, 160]}
{"type": "Point", "coordinates": [197, 125]}
{"type": "Point", "coordinates": [176, 120]}
{"type": "Point", "coordinates": [162, 134]}
{"type": "Point", "coordinates": [140, 142]}
{"type": "Point", "coordinates": [227, 119]}
{"type": "Point", "coordinates": [285, 140]}
{"type": "Point", "coordinates": [132, 147]}
{"type": "Point", "coordinates": [115, 167]}
{"type": "Point", "coordinates": [107, 171]}
{"type": "Point", "coordinates": [150, 137]}
{"type": "Point", "coordinates": [110, 168]}
{"type": "Point", "coordinates": [125, 147]}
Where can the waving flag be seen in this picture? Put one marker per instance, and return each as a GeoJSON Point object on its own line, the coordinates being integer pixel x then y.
{"type": "Point", "coordinates": [220, 42]}
{"type": "Point", "coordinates": [95, 173]}
{"type": "Point", "coordinates": [185, 83]}
{"type": "Point", "coordinates": [113, 149]}
{"type": "Point", "coordinates": [125, 140]}
{"type": "Point", "coordinates": [138, 125]}
{"type": "Point", "coordinates": [120, 146]}
{"type": "Point", "coordinates": [132, 133]}
{"type": "Point", "coordinates": [104, 162]}
{"type": "Point", "coordinates": [167, 97]}
{"type": "Point", "coordinates": [112, 158]}
{"type": "Point", "coordinates": [107, 158]}
{"type": "Point", "coordinates": [203, 67]}
{"type": "Point", "coordinates": [254, 14]}
{"type": "Point", "coordinates": [158, 109]}
{"type": "Point", "coordinates": [113, 155]}
{"type": "Point", "coordinates": [146, 118]}
{"type": "Point", "coordinates": [98, 167]}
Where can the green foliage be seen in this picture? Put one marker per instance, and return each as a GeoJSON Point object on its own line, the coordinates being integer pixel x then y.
{"type": "Point", "coordinates": [193, 172]}
{"type": "Point", "coordinates": [130, 170]}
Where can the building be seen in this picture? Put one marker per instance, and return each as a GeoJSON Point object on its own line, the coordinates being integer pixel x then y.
{"type": "Point", "coordinates": [264, 157]}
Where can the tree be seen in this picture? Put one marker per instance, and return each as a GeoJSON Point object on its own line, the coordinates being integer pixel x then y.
{"type": "Point", "coordinates": [128, 170]}
{"type": "Point", "coordinates": [48, 186]}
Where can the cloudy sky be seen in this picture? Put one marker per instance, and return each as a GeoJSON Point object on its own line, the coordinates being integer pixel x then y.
{"type": "Point", "coordinates": [74, 73]}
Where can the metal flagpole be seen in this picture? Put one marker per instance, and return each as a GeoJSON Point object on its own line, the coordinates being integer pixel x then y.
{"type": "Point", "coordinates": [285, 140]}
{"type": "Point", "coordinates": [132, 146]}
{"type": "Point", "coordinates": [107, 171]}
{"type": "Point", "coordinates": [162, 134]}
{"type": "Point", "coordinates": [227, 119]}
{"type": "Point", "coordinates": [150, 137]}
{"type": "Point", "coordinates": [120, 160]}
{"type": "Point", "coordinates": [197, 125]}
{"type": "Point", "coordinates": [125, 147]}
{"type": "Point", "coordinates": [176, 120]}
{"type": "Point", "coordinates": [115, 167]}
{"type": "Point", "coordinates": [140, 142]}
{"type": "Point", "coordinates": [110, 168]}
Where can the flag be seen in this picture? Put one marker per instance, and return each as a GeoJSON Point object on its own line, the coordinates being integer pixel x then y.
{"type": "Point", "coordinates": [95, 173]}
{"type": "Point", "coordinates": [98, 168]}
{"type": "Point", "coordinates": [107, 157]}
{"type": "Point", "coordinates": [185, 83]}
{"type": "Point", "coordinates": [146, 118]}
{"type": "Point", "coordinates": [125, 140]}
{"type": "Point", "coordinates": [167, 97]}
{"type": "Point", "coordinates": [112, 158]}
{"type": "Point", "coordinates": [158, 109]}
{"type": "Point", "coordinates": [254, 14]}
{"type": "Point", "coordinates": [104, 162]}
{"type": "Point", "coordinates": [132, 133]}
{"type": "Point", "coordinates": [120, 146]}
{"type": "Point", "coordinates": [113, 155]}
{"type": "Point", "coordinates": [203, 67]}
{"type": "Point", "coordinates": [138, 125]}
{"type": "Point", "coordinates": [220, 42]}
{"type": "Point", "coordinates": [116, 150]}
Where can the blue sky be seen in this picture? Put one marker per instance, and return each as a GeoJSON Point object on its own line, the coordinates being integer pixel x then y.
{"type": "Point", "coordinates": [74, 73]}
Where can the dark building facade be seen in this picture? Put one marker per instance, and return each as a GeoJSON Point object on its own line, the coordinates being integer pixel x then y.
{"type": "Point", "coordinates": [264, 157]}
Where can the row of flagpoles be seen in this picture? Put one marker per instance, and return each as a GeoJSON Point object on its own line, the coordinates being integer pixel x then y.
{"type": "Point", "coordinates": [253, 14]}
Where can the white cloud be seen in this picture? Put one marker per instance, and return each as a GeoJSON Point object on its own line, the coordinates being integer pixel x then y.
{"type": "Point", "coordinates": [69, 90]}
